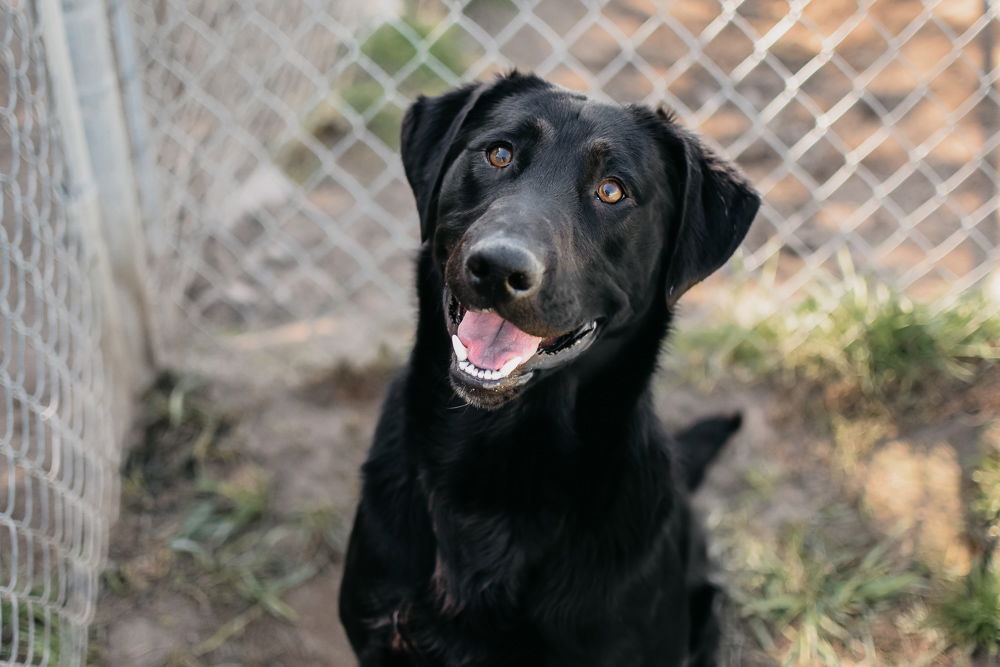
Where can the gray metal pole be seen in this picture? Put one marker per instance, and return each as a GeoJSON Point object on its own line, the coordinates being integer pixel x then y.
{"type": "Point", "coordinates": [130, 82]}
{"type": "Point", "coordinates": [989, 119]}
{"type": "Point", "coordinates": [83, 206]}
{"type": "Point", "coordinates": [89, 43]}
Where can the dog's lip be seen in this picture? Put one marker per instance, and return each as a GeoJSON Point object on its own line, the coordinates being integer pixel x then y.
{"type": "Point", "coordinates": [551, 352]}
{"type": "Point", "coordinates": [455, 310]}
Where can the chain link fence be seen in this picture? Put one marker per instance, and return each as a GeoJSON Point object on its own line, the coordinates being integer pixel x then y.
{"type": "Point", "coordinates": [58, 456]}
{"type": "Point", "coordinates": [869, 127]}
{"type": "Point", "coordinates": [262, 161]}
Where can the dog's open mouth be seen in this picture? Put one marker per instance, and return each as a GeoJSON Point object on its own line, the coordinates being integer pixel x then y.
{"type": "Point", "coordinates": [491, 352]}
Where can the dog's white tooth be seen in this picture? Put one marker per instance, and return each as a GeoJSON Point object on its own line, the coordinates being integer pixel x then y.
{"type": "Point", "coordinates": [460, 352]}
{"type": "Point", "coordinates": [509, 367]}
{"type": "Point", "coordinates": [463, 365]}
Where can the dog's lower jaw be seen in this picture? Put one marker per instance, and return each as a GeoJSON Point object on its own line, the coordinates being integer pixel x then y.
{"type": "Point", "coordinates": [489, 398]}
{"type": "Point", "coordinates": [491, 387]}
{"type": "Point", "coordinates": [599, 362]}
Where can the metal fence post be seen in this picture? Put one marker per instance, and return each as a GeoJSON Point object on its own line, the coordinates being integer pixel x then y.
{"type": "Point", "coordinates": [89, 43]}
{"type": "Point", "coordinates": [990, 123]}
{"type": "Point", "coordinates": [130, 82]}
{"type": "Point", "coordinates": [83, 202]}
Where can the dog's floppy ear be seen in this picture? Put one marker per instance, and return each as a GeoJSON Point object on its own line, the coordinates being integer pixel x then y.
{"type": "Point", "coordinates": [430, 128]}
{"type": "Point", "coordinates": [717, 205]}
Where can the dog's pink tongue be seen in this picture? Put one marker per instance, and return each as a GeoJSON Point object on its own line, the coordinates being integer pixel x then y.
{"type": "Point", "coordinates": [492, 341]}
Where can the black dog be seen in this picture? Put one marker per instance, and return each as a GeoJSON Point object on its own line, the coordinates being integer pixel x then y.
{"type": "Point", "coordinates": [522, 505]}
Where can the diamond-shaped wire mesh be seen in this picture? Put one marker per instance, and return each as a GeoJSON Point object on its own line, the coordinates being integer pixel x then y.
{"type": "Point", "coordinates": [58, 462]}
{"type": "Point", "coordinates": [869, 126]}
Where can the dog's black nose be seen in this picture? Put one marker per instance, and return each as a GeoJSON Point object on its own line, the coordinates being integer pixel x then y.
{"type": "Point", "coordinates": [503, 270]}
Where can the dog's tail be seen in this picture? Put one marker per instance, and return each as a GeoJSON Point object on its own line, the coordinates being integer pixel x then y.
{"type": "Point", "coordinates": [701, 442]}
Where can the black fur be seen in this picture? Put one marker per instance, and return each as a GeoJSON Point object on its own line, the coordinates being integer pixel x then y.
{"type": "Point", "coordinates": [542, 519]}
{"type": "Point", "coordinates": [699, 444]}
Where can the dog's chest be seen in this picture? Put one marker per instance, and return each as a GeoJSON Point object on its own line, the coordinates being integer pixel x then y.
{"type": "Point", "coordinates": [481, 560]}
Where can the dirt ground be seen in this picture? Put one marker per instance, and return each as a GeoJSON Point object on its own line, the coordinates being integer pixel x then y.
{"type": "Point", "coordinates": [311, 440]}
{"type": "Point", "coordinates": [161, 606]}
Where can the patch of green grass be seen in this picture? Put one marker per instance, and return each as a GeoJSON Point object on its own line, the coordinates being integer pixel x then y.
{"type": "Point", "coordinates": [392, 48]}
{"type": "Point", "coordinates": [37, 632]}
{"type": "Point", "coordinates": [969, 611]}
{"type": "Point", "coordinates": [807, 592]}
{"type": "Point", "coordinates": [247, 557]}
{"type": "Point", "coordinates": [245, 554]}
{"type": "Point", "coordinates": [987, 501]}
{"type": "Point", "coordinates": [862, 336]}
{"type": "Point", "coordinates": [179, 429]}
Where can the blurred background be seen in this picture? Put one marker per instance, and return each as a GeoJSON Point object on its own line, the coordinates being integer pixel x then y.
{"type": "Point", "coordinates": [206, 255]}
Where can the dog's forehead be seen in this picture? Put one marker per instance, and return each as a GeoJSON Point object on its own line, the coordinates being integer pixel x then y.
{"type": "Point", "coordinates": [557, 109]}
{"type": "Point", "coordinates": [571, 118]}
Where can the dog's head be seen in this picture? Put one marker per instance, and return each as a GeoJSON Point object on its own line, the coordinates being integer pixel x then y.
{"type": "Point", "coordinates": [557, 220]}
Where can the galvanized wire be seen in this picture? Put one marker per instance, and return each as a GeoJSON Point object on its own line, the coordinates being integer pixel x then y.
{"type": "Point", "coordinates": [57, 456]}
{"type": "Point", "coordinates": [870, 127]}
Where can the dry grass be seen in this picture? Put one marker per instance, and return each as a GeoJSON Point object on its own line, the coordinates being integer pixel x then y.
{"type": "Point", "coordinates": [887, 430]}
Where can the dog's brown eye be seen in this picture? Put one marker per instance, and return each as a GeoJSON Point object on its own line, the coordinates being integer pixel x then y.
{"type": "Point", "coordinates": [610, 191]}
{"type": "Point", "coordinates": [500, 155]}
